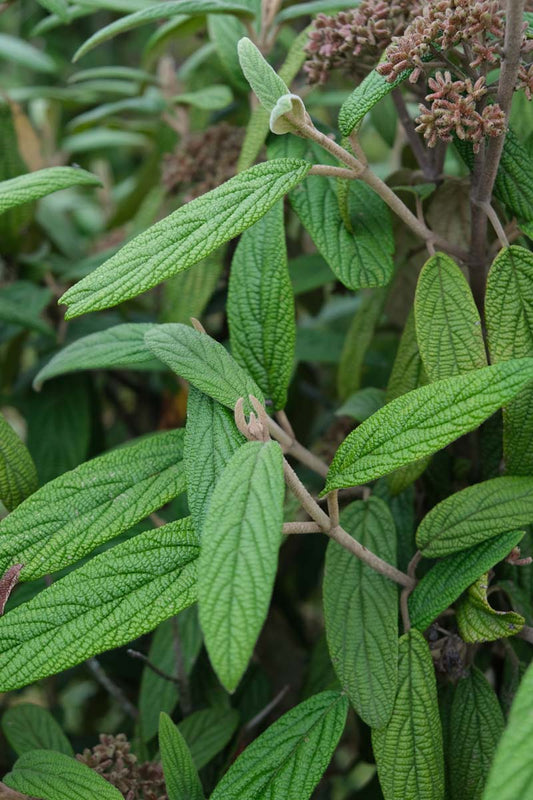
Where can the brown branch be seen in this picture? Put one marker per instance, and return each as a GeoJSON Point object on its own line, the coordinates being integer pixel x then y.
{"type": "Point", "coordinates": [526, 633]}
{"type": "Point", "coordinates": [417, 146]}
{"type": "Point", "coordinates": [300, 527]}
{"type": "Point", "coordinates": [10, 794]}
{"type": "Point", "coordinates": [111, 687]}
{"type": "Point", "coordinates": [148, 663]}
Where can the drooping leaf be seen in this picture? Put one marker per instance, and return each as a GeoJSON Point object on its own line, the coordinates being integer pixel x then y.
{"type": "Point", "coordinates": [362, 404]}
{"type": "Point", "coordinates": [260, 306]}
{"type": "Point", "coordinates": [361, 613]}
{"type": "Point", "coordinates": [358, 339]}
{"type": "Point", "coordinates": [450, 576]}
{"type": "Point", "coordinates": [408, 750]}
{"type": "Point", "coordinates": [56, 776]}
{"type": "Point", "coordinates": [181, 778]}
{"type": "Point", "coordinates": [210, 98]}
{"type": "Point", "coordinates": [511, 773]}
{"type": "Point", "coordinates": [18, 476]}
{"type": "Point", "coordinates": [114, 598]}
{"type": "Point", "coordinates": [238, 560]}
{"type": "Point", "coordinates": [369, 92]}
{"type": "Point", "coordinates": [207, 732]}
{"type": "Point", "coordinates": [72, 515]}
{"type": "Point", "coordinates": [448, 326]}
{"type": "Point", "coordinates": [58, 7]}
{"type": "Point", "coordinates": [290, 757]}
{"type": "Point", "coordinates": [476, 514]}
{"type": "Point", "coordinates": [186, 236]}
{"type": "Point", "coordinates": [478, 621]}
{"type": "Point", "coordinates": [425, 420]}
{"type": "Point", "coordinates": [31, 727]}
{"type": "Point", "coordinates": [21, 52]}
{"type": "Point", "coordinates": [476, 724]}
{"type": "Point", "coordinates": [34, 185]}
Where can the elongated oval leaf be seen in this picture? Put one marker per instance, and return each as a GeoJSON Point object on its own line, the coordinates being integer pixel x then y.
{"type": "Point", "coordinates": [290, 757]}
{"type": "Point", "coordinates": [17, 313]}
{"type": "Point", "coordinates": [30, 727]}
{"type": "Point", "coordinates": [358, 339]}
{"type": "Point", "coordinates": [450, 576]}
{"type": "Point", "coordinates": [425, 420]}
{"type": "Point", "coordinates": [18, 476]}
{"type": "Point", "coordinates": [73, 514]}
{"type": "Point", "coordinates": [186, 236]}
{"type": "Point", "coordinates": [261, 307]}
{"type": "Point", "coordinates": [21, 52]}
{"type": "Point", "coordinates": [34, 185]}
{"type": "Point", "coordinates": [157, 695]}
{"type": "Point", "coordinates": [369, 92]}
{"type": "Point", "coordinates": [207, 732]}
{"type": "Point", "coordinates": [55, 776]}
{"type": "Point", "coordinates": [475, 514]}
{"type": "Point", "coordinates": [266, 84]}
{"type": "Point", "coordinates": [408, 750]}
{"type": "Point", "coordinates": [238, 560]}
{"type": "Point", "coordinates": [114, 598]}
{"type": "Point", "coordinates": [448, 326]}
{"type": "Point", "coordinates": [511, 774]}
{"type": "Point", "coordinates": [313, 7]}
{"type": "Point", "coordinates": [361, 613]}
{"type": "Point", "coordinates": [181, 778]}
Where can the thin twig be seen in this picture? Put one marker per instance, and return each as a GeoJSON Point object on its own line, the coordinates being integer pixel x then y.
{"type": "Point", "coordinates": [306, 500]}
{"type": "Point", "coordinates": [111, 687]}
{"type": "Point", "coordinates": [301, 527]}
{"type": "Point", "coordinates": [526, 633]}
{"type": "Point", "coordinates": [417, 146]}
{"type": "Point", "coordinates": [333, 507]}
{"type": "Point", "coordinates": [263, 714]}
{"type": "Point", "coordinates": [496, 224]}
{"type": "Point", "coordinates": [293, 448]}
{"type": "Point", "coordinates": [329, 171]}
{"type": "Point", "coordinates": [148, 663]}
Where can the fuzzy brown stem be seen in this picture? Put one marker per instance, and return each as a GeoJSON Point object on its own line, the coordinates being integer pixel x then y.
{"type": "Point", "coordinates": [417, 146]}
{"type": "Point", "coordinates": [111, 687]}
{"type": "Point", "coordinates": [297, 450]}
{"type": "Point", "coordinates": [301, 527]}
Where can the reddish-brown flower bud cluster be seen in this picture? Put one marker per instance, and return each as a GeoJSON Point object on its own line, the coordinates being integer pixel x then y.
{"type": "Point", "coordinates": [454, 109]}
{"type": "Point", "coordinates": [525, 79]}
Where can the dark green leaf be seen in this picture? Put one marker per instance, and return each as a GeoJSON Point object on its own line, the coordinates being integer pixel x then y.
{"type": "Point", "coordinates": [30, 727]}
{"type": "Point", "coordinates": [181, 778]}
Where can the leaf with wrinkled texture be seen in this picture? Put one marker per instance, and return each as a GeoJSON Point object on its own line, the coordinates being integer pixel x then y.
{"type": "Point", "coordinates": [260, 306]}
{"type": "Point", "coordinates": [181, 778]}
{"type": "Point", "coordinates": [478, 621]}
{"type": "Point", "coordinates": [25, 188]}
{"type": "Point", "coordinates": [425, 420]}
{"type": "Point", "coordinates": [186, 236]}
{"type": "Point", "coordinates": [369, 92]}
{"type": "Point", "coordinates": [313, 7]}
{"type": "Point", "coordinates": [408, 750]}
{"type": "Point", "coordinates": [450, 576]}
{"type": "Point", "coordinates": [289, 758]}
{"type": "Point", "coordinates": [31, 727]}
{"type": "Point", "coordinates": [240, 541]}
{"type": "Point", "coordinates": [114, 598]}
{"type": "Point", "coordinates": [82, 509]}
{"type": "Point", "coordinates": [187, 294]}
{"type": "Point", "coordinates": [361, 613]}
{"type": "Point", "coordinates": [475, 514]}
{"type": "Point", "coordinates": [207, 732]}
{"type": "Point", "coordinates": [358, 339]}
{"type": "Point", "coordinates": [18, 476]}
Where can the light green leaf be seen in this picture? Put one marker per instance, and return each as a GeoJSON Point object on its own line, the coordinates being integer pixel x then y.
{"type": "Point", "coordinates": [361, 613]}
{"type": "Point", "coordinates": [185, 236]}
{"type": "Point", "coordinates": [30, 727]}
{"type": "Point", "coordinates": [450, 576]}
{"type": "Point", "coordinates": [260, 306]}
{"type": "Point", "coordinates": [114, 72]}
{"type": "Point", "coordinates": [58, 7]}
{"type": "Point", "coordinates": [475, 514]}
{"type": "Point", "coordinates": [425, 420]}
{"type": "Point", "coordinates": [357, 341]}
{"type": "Point", "coordinates": [477, 621]}
{"type": "Point", "coordinates": [210, 98]}
{"type": "Point", "coordinates": [362, 404]}
{"type": "Point", "coordinates": [159, 11]}
{"type": "Point", "coordinates": [289, 758]}
{"type": "Point", "coordinates": [181, 778]}
{"type": "Point", "coordinates": [18, 51]}
{"type": "Point", "coordinates": [448, 327]}
{"type": "Point", "coordinates": [369, 92]}
{"type": "Point", "coordinates": [225, 32]}
{"type": "Point", "coordinates": [151, 104]}
{"type": "Point", "coordinates": [114, 598]}
{"type": "Point", "coordinates": [511, 774]}
{"type": "Point", "coordinates": [313, 7]}
{"type": "Point", "coordinates": [509, 316]}
{"type": "Point", "coordinates": [55, 776]}
{"type": "Point", "coordinates": [476, 725]}
{"type": "Point", "coordinates": [18, 476]}
{"type": "Point", "coordinates": [34, 185]}
{"type": "Point", "coordinates": [157, 695]}
{"type": "Point", "coordinates": [408, 750]}
{"type": "Point", "coordinates": [75, 513]}
{"type": "Point", "coordinates": [239, 555]}
{"type": "Point", "coordinates": [102, 139]}
{"type": "Point", "coordinates": [187, 294]}
{"type": "Point", "coordinates": [207, 732]}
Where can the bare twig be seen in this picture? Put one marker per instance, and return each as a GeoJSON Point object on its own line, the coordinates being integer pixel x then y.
{"type": "Point", "coordinates": [526, 633]}
{"type": "Point", "coordinates": [146, 660]}
{"type": "Point", "coordinates": [293, 448]}
{"type": "Point", "coordinates": [10, 794]}
{"type": "Point", "coordinates": [111, 687]}
{"type": "Point", "coordinates": [417, 146]}
{"type": "Point", "coordinates": [301, 527]}
{"type": "Point", "coordinates": [333, 507]}
{"type": "Point", "coordinates": [263, 714]}
{"type": "Point", "coordinates": [332, 172]}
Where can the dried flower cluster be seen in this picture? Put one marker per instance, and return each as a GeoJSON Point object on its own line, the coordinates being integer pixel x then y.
{"type": "Point", "coordinates": [205, 159]}
{"type": "Point", "coordinates": [115, 762]}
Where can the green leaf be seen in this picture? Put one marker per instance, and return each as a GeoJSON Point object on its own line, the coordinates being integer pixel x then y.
{"type": "Point", "coordinates": [511, 773]}
{"type": "Point", "coordinates": [475, 514]}
{"type": "Point", "coordinates": [18, 51]}
{"type": "Point", "coordinates": [359, 259]}
{"type": "Point", "coordinates": [58, 7]}
{"type": "Point", "coordinates": [207, 732]}
{"type": "Point", "coordinates": [448, 327]}
{"type": "Point", "coordinates": [476, 725]}
{"type": "Point", "coordinates": [55, 776]}
{"type": "Point", "coordinates": [102, 139]}
{"type": "Point", "coordinates": [187, 294]}
{"type": "Point", "coordinates": [369, 92]}
{"type": "Point", "coordinates": [361, 613]}
{"type": "Point", "coordinates": [159, 11]}
{"type": "Point", "coordinates": [181, 778]}
{"type": "Point", "coordinates": [34, 185]}
{"type": "Point", "coordinates": [114, 72]}
{"type": "Point", "coordinates": [408, 750]}
{"type": "Point", "coordinates": [238, 559]}
{"type": "Point", "coordinates": [290, 757]}
{"type": "Point", "coordinates": [509, 318]}
{"type": "Point", "coordinates": [309, 272]}
{"type": "Point", "coordinates": [72, 515]}
{"type": "Point", "coordinates": [119, 347]}
{"type": "Point", "coordinates": [477, 621]}
{"type": "Point", "coordinates": [210, 98]}
{"type": "Point", "coordinates": [225, 32]}
{"type": "Point", "coordinates": [362, 404]}
{"type": "Point", "coordinates": [157, 695]}
{"type": "Point", "coordinates": [211, 438]}
{"type": "Point", "coordinates": [18, 476]}
{"type": "Point", "coordinates": [313, 7]}
{"type": "Point", "coordinates": [30, 727]}
{"type": "Point", "coordinates": [260, 306]}
{"type": "Point", "coordinates": [358, 339]}
{"type": "Point", "coordinates": [114, 598]}
{"type": "Point", "coordinates": [185, 236]}
{"type": "Point", "coordinates": [14, 312]}
{"type": "Point", "coordinates": [450, 576]}
{"type": "Point", "coordinates": [425, 420]}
